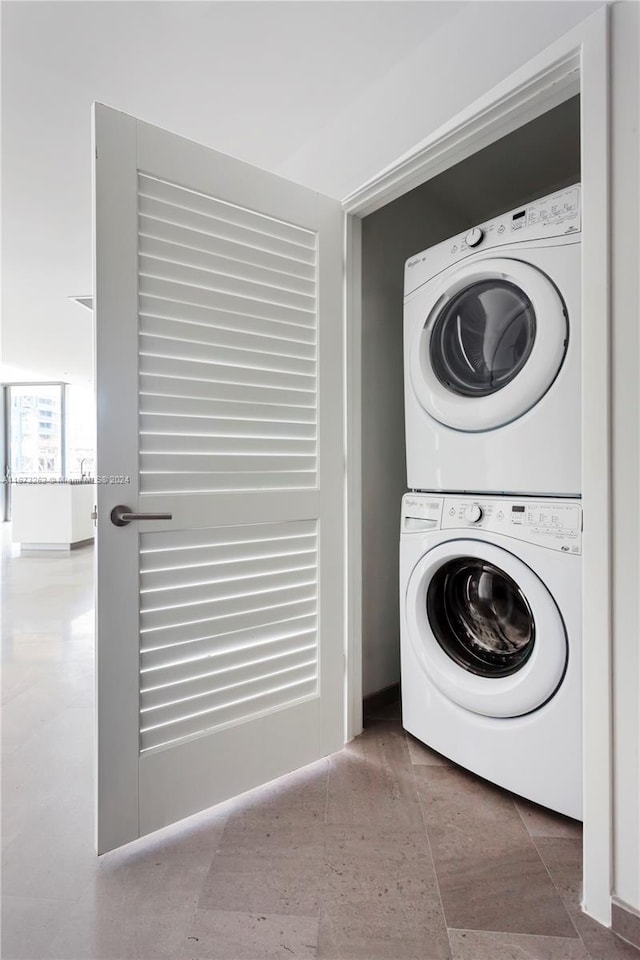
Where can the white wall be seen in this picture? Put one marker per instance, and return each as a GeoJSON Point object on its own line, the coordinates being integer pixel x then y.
{"type": "Point", "coordinates": [468, 55]}
{"type": "Point", "coordinates": [625, 177]}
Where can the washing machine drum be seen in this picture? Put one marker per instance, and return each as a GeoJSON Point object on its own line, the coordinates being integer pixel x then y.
{"type": "Point", "coordinates": [492, 342]}
{"type": "Point", "coordinates": [485, 629]}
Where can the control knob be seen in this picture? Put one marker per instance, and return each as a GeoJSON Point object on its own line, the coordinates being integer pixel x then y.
{"type": "Point", "coordinates": [473, 513]}
{"type": "Point", "coordinates": [474, 237]}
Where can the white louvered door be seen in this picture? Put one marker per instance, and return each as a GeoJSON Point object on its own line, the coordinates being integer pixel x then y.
{"type": "Point", "coordinates": [219, 346]}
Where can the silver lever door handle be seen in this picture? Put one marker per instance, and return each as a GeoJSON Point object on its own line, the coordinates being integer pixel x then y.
{"type": "Point", "coordinates": [121, 516]}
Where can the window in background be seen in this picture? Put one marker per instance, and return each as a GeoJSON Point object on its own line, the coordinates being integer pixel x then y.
{"type": "Point", "coordinates": [36, 412]}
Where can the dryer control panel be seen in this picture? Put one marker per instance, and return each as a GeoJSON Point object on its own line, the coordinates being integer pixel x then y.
{"type": "Point", "coordinates": [556, 524]}
{"type": "Point", "coordinates": [555, 216]}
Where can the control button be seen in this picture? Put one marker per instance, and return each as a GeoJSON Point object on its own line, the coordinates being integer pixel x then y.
{"type": "Point", "coordinates": [473, 513]}
{"type": "Point", "coordinates": [500, 515]}
{"type": "Point", "coordinates": [452, 511]}
{"type": "Point", "coordinates": [454, 249]}
{"type": "Point", "coordinates": [501, 228]}
{"type": "Point", "coordinates": [474, 237]}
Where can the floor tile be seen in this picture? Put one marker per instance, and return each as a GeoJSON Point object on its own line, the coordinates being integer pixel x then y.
{"type": "Point", "coordinates": [160, 876]}
{"type": "Point", "coordinates": [288, 886]}
{"type": "Point", "coordinates": [272, 838]}
{"type": "Point", "coordinates": [28, 927]}
{"type": "Point", "coordinates": [541, 822]}
{"type": "Point", "coordinates": [369, 867]}
{"type": "Point", "coordinates": [96, 933]}
{"type": "Point", "coordinates": [378, 935]}
{"type": "Point", "coordinates": [267, 866]}
{"type": "Point", "coordinates": [227, 935]}
{"type": "Point", "coordinates": [372, 782]}
{"type": "Point", "coordinates": [489, 871]}
{"type": "Point", "coordinates": [300, 796]}
{"type": "Point", "coordinates": [52, 854]}
{"type": "Point", "coordinates": [475, 945]}
{"type": "Point", "coordinates": [381, 898]}
{"type": "Point", "coordinates": [563, 859]}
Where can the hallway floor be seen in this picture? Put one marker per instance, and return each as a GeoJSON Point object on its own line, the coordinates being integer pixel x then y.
{"type": "Point", "coordinates": [384, 851]}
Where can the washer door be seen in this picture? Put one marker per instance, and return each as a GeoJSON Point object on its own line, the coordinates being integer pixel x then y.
{"type": "Point", "coordinates": [492, 343]}
{"type": "Point", "coordinates": [485, 629]}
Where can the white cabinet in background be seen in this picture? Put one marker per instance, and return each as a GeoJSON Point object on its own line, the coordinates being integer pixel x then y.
{"type": "Point", "coordinates": [54, 516]}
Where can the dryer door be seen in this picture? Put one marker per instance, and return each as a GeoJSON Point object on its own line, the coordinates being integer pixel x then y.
{"type": "Point", "coordinates": [492, 342]}
{"type": "Point", "coordinates": [485, 629]}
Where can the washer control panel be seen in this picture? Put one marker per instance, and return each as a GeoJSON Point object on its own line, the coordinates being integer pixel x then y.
{"type": "Point", "coordinates": [556, 524]}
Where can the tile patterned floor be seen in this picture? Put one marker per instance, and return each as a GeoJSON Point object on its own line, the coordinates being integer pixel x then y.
{"type": "Point", "coordinates": [385, 851]}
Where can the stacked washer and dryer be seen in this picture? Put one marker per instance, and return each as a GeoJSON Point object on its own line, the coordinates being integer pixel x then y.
{"type": "Point", "coordinates": [491, 537]}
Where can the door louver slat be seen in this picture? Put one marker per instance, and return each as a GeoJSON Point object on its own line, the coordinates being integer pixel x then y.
{"type": "Point", "coordinates": [191, 445]}
{"type": "Point", "coordinates": [197, 296]}
{"type": "Point", "coordinates": [264, 538]}
{"type": "Point", "coordinates": [236, 632]}
{"type": "Point", "coordinates": [211, 641]}
{"type": "Point", "coordinates": [212, 426]}
{"type": "Point", "coordinates": [200, 333]}
{"type": "Point", "coordinates": [238, 356]}
{"type": "Point", "coordinates": [221, 482]}
{"type": "Point", "coordinates": [222, 229]}
{"type": "Point", "coordinates": [221, 332]}
{"type": "Point", "coordinates": [232, 320]}
{"type": "Point", "coordinates": [219, 410]}
{"type": "Point", "coordinates": [224, 373]}
{"type": "Point", "coordinates": [162, 580]}
{"type": "Point", "coordinates": [184, 661]}
{"type": "Point", "coordinates": [223, 212]}
{"type": "Point", "coordinates": [212, 280]}
{"type": "Point", "coordinates": [170, 252]}
{"type": "Point", "coordinates": [200, 630]}
{"type": "Point", "coordinates": [215, 673]}
{"type": "Point", "coordinates": [152, 228]}
{"type": "Point", "coordinates": [185, 387]}
{"type": "Point", "coordinates": [255, 593]}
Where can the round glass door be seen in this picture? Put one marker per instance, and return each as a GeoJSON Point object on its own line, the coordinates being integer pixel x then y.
{"type": "Point", "coordinates": [482, 338]}
{"type": "Point", "coordinates": [480, 617]}
{"type": "Point", "coordinates": [485, 629]}
{"type": "Point", "coordinates": [491, 340]}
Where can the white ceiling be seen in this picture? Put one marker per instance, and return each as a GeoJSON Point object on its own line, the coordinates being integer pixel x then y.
{"type": "Point", "coordinates": [325, 93]}
{"type": "Point", "coordinates": [255, 79]}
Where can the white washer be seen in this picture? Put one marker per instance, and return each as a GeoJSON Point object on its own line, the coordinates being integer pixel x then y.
{"type": "Point", "coordinates": [492, 355]}
{"type": "Point", "coordinates": [491, 639]}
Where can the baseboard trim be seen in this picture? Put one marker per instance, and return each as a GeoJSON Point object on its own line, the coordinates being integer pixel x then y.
{"type": "Point", "coordinates": [374, 702]}
{"type": "Point", "coordinates": [625, 922]}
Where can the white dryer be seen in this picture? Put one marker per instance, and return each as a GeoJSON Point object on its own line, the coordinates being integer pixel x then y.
{"type": "Point", "coordinates": [492, 355]}
{"type": "Point", "coordinates": [491, 639]}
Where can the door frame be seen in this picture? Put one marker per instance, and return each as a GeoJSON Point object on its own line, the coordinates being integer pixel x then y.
{"type": "Point", "coordinates": [576, 63]}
